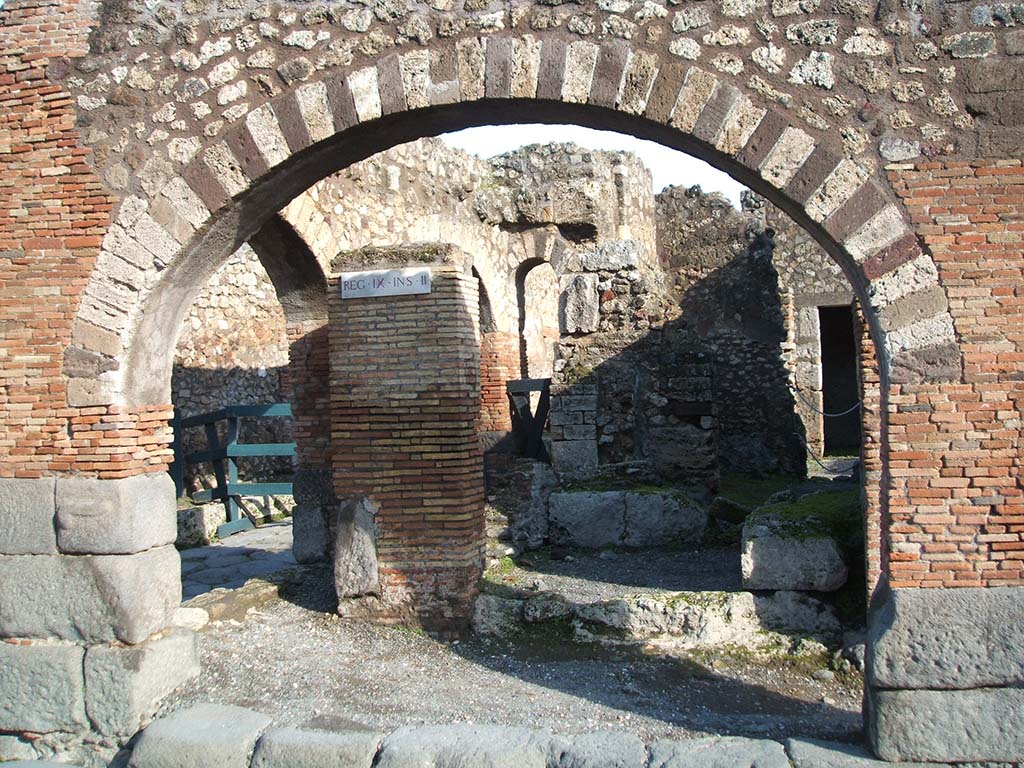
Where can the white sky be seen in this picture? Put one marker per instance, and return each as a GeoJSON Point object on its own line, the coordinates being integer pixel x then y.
{"type": "Point", "coordinates": [667, 165]}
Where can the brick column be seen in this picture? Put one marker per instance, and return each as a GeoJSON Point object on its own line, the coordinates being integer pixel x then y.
{"type": "Point", "coordinates": [305, 384]}
{"type": "Point", "coordinates": [499, 364]}
{"type": "Point", "coordinates": [405, 405]}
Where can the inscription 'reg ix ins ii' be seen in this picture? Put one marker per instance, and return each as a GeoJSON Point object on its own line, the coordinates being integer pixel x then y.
{"type": "Point", "coordinates": [385, 282]}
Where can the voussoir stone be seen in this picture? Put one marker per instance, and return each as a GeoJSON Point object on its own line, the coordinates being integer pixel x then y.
{"type": "Point", "coordinates": [124, 684]}
{"type": "Point", "coordinates": [947, 638]}
{"type": "Point", "coordinates": [725, 752]}
{"type": "Point", "coordinates": [26, 516]}
{"type": "Point", "coordinates": [213, 735]}
{"type": "Point", "coordinates": [588, 520]}
{"type": "Point", "coordinates": [811, 753]}
{"type": "Point", "coordinates": [41, 688]}
{"type": "Point", "coordinates": [95, 599]}
{"type": "Point", "coordinates": [115, 517]}
{"type": "Point", "coordinates": [309, 748]}
{"type": "Point", "coordinates": [457, 746]}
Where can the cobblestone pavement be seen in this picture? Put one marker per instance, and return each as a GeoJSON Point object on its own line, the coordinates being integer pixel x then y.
{"type": "Point", "coordinates": [231, 562]}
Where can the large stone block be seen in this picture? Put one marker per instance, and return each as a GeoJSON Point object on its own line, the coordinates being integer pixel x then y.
{"type": "Point", "coordinates": [606, 749]}
{"type": "Point", "coordinates": [456, 746]}
{"type": "Point", "coordinates": [947, 638]}
{"type": "Point", "coordinates": [355, 549]}
{"type": "Point", "coordinates": [572, 457]}
{"type": "Point", "coordinates": [304, 748]}
{"type": "Point", "coordinates": [725, 752]}
{"type": "Point", "coordinates": [114, 517]}
{"type": "Point", "coordinates": [588, 520]}
{"type": "Point", "coordinates": [41, 688]}
{"type": "Point", "coordinates": [777, 555]}
{"type": "Point", "coordinates": [653, 519]}
{"type": "Point", "coordinates": [96, 599]}
{"type": "Point", "coordinates": [979, 725]}
{"type": "Point", "coordinates": [206, 735]}
{"type": "Point", "coordinates": [123, 685]}
{"type": "Point", "coordinates": [26, 516]}
{"type": "Point", "coordinates": [810, 753]}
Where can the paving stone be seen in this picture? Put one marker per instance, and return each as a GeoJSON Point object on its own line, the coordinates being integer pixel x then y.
{"type": "Point", "coordinates": [41, 688]}
{"type": "Point", "coordinates": [26, 516]}
{"type": "Point", "coordinates": [123, 685]}
{"type": "Point", "coordinates": [810, 753]}
{"type": "Point", "coordinates": [214, 735]}
{"type": "Point", "coordinates": [307, 748]}
{"type": "Point", "coordinates": [109, 517]}
{"type": "Point", "coordinates": [89, 599]}
{"type": "Point", "coordinates": [724, 752]}
{"type": "Point", "coordinates": [458, 746]}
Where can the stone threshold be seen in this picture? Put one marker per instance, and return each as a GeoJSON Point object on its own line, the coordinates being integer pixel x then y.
{"type": "Point", "coordinates": [219, 735]}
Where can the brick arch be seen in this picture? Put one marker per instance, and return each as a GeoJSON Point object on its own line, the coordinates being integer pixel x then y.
{"type": "Point", "coordinates": [229, 189]}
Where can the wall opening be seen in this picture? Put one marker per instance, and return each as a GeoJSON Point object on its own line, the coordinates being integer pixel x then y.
{"type": "Point", "coordinates": [839, 384]}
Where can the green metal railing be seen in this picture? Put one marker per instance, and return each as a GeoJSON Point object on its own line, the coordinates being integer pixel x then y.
{"type": "Point", "coordinates": [224, 458]}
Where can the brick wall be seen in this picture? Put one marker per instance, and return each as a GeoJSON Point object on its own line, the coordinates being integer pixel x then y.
{"type": "Point", "coordinates": [956, 506]}
{"type": "Point", "coordinates": [499, 364]}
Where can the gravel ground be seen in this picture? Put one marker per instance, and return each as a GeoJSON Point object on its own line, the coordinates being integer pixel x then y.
{"type": "Point", "coordinates": [296, 661]}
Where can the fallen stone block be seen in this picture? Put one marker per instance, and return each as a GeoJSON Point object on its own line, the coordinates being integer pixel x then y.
{"type": "Point", "coordinates": [308, 748]}
{"type": "Point", "coordinates": [197, 526]}
{"type": "Point", "coordinates": [92, 599]}
{"type": "Point", "coordinates": [589, 520]}
{"type": "Point", "coordinates": [458, 746]}
{"type": "Point", "coordinates": [653, 519]}
{"type": "Point", "coordinates": [206, 735]}
{"type": "Point", "coordinates": [497, 616]}
{"type": "Point", "coordinates": [115, 517]}
{"type": "Point", "coordinates": [27, 508]}
{"type": "Point", "coordinates": [724, 752]}
{"type": "Point", "coordinates": [41, 688]}
{"type": "Point", "coordinates": [123, 685]}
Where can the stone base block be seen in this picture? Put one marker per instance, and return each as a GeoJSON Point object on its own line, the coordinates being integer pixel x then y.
{"type": "Point", "coordinates": [979, 725]}
{"type": "Point", "coordinates": [197, 526]}
{"type": "Point", "coordinates": [115, 517]}
{"type": "Point", "coordinates": [204, 735]}
{"type": "Point", "coordinates": [310, 535]}
{"type": "Point", "coordinates": [27, 509]}
{"type": "Point", "coordinates": [98, 599]}
{"type": "Point", "coordinates": [41, 688]}
{"type": "Point", "coordinates": [124, 684]}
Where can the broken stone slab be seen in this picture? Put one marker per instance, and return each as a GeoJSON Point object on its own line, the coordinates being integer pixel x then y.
{"type": "Point", "coordinates": [975, 726]}
{"type": "Point", "coordinates": [715, 752]}
{"type": "Point", "coordinates": [790, 554]}
{"type": "Point", "coordinates": [456, 746]}
{"type": "Point", "coordinates": [204, 735]}
{"type": "Point", "coordinates": [309, 748]}
{"type": "Point", "coordinates": [123, 685]}
{"type": "Point", "coordinates": [590, 520]}
{"type": "Point", "coordinates": [115, 517]}
{"type": "Point", "coordinates": [606, 749]}
{"type": "Point", "coordinates": [197, 526]}
{"type": "Point", "coordinates": [355, 549]}
{"type": "Point", "coordinates": [42, 688]}
{"type": "Point", "coordinates": [93, 599]}
{"type": "Point", "coordinates": [653, 519]}
{"type": "Point", "coordinates": [797, 612]}
{"type": "Point", "coordinates": [947, 638]}
{"type": "Point", "coordinates": [811, 753]}
{"type": "Point", "coordinates": [27, 510]}
{"type": "Point", "coordinates": [497, 616]}
{"type": "Point", "coordinates": [546, 606]}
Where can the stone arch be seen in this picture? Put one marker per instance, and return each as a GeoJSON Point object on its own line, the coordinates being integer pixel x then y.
{"type": "Point", "coordinates": [229, 189]}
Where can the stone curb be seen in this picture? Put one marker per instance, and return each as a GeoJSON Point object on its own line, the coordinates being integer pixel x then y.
{"type": "Point", "coordinates": [215, 735]}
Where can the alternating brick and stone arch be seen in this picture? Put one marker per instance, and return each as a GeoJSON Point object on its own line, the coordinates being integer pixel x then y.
{"type": "Point", "coordinates": [172, 135]}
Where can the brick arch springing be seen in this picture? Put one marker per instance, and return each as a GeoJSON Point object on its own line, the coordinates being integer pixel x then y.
{"type": "Point", "coordinates": [233, 185]}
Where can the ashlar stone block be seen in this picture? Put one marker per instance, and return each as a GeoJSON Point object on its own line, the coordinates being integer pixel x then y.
{"type": "Point", "coordinates": [26, 517]}
{"type": "Point", "coordinates": [204, 735]}
{"type": "Point", "coordinates": [41, 688]}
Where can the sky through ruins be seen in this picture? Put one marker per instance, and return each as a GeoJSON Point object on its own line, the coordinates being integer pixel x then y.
{"type": "Point", "coordinates": [667, 165]}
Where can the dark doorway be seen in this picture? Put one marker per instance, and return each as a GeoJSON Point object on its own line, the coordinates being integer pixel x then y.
{"type": "Point", "coordinates": [840, 390]}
